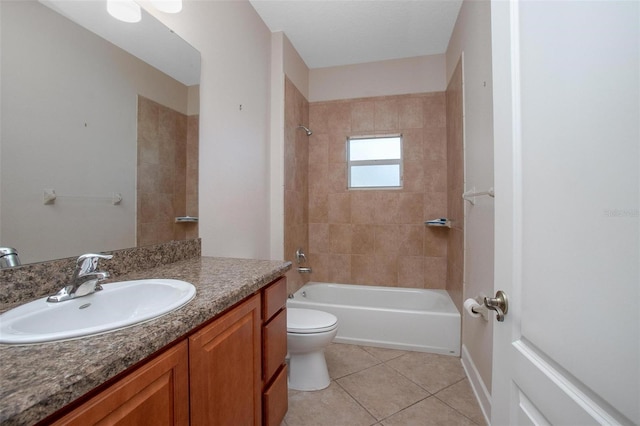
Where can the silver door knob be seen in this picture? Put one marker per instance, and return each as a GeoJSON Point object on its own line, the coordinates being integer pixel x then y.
{"type": "Point", "coordinates": [500, 304]}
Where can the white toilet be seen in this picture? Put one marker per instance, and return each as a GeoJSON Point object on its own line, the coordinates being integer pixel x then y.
{"type": "Point", "coordinates": [308, 332]}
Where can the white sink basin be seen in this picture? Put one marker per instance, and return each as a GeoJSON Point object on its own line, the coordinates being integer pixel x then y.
{"type": "Point", "coordinates": [119, 305]}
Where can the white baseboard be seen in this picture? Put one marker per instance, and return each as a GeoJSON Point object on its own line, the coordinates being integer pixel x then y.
{"type": "Point", "coordinates": [479, 389]}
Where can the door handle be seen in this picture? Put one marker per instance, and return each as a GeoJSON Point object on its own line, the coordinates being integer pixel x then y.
{"type": "Point", "coordinates": [500, 304]}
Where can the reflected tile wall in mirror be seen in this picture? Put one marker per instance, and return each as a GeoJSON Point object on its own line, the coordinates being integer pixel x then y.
{"type": "Point", "coordinates": [163, 173]}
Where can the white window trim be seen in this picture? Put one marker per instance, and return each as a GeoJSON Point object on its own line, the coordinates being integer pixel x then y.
{"type": "Point", "coordinates": [385, 162]}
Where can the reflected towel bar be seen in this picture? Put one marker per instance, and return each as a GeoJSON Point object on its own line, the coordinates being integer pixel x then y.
{"type": "Point", "coordinates": [470, 196]}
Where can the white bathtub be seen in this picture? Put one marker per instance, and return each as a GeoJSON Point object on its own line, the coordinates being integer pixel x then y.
{"type": "Point", "coordinates": [388, 317]}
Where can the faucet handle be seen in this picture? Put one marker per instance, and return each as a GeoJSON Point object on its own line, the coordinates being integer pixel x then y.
{"type": "Point", "coordinates": [300, 256]}
{"type": "Point", "coordinates": [88, 263]}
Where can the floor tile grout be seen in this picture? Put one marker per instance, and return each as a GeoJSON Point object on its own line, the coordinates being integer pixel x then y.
{"type": "Point", "coordinates": [355, 366]}
{"type": "Point", "coordinates": [358, 402]}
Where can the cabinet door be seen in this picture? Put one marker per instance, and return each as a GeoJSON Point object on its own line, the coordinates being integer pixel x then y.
{"type": "Point", "coordinates": [155, 394]}
{"type": "Point", "coordinates": [225, 369]}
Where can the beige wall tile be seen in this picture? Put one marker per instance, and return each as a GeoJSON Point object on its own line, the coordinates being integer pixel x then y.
{"type": "Point", "coordinates": [411, 113]}
{"type": "Point", "coordinates": [340, 268]}
{"type": "Point", "coordinates": [386, 270]}
{"type": "Point", "coordinates": [362, 116]}
{"type": "Point", "coordinates": [340, 207]}
{"type": "Point", "coordinates": [386, 206]}
{"type": "Point", "coordinates": [386, 115]}
{"type": "Point", "coordinates": [411, 240]}
{"type": "Point", "coordinates": [455, 187]}
{"type": "Point", "coordinates": [363, 239]}
{"type": "Point", "coordinates": [363, 207]}
{"type": "Point", "coordinates": [435, 241]}
{"type": "Point", "coordinates": [388, 239]}
{"type": "Point", "coordinates": [382, 231]}
{"type": "Point", "coordinates": [338, 148]}
{"type": "Point", "coordinates": [319, 207]}
{"type": "Point", "coordinates": [412, 145]}
{"type": "Point", "coordinates": [414, 176]}
{"type": "Point", "coordinates": [411, 271]}
{"type": "Point", "coordinates": [363, 269]}
{"type": "Point", "coordinates": [167, 173]}
{"type": "Point", "coordinates": [300, 178]}
{"type": "Point", "coordinates": [410, 208]}
{"type": "Point", "coordinates": [340, 238]}
{"type": "Point", "coordinates": [435, 272]}
{"type": "Point", "coordinates": [319, 238]}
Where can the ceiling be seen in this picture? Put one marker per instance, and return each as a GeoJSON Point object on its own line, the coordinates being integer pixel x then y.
{"type": "Point", "coordinates": [148, 40]}
{"type": "Point", "coordinates": [329, 33]}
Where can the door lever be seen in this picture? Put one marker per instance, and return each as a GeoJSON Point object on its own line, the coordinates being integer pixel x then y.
{"type": "Point", "coordinates": [500, 304]}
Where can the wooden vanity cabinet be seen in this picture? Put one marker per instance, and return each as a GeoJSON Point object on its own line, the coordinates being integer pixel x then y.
{"type": "Point", "coordinates": [274, 349]}
{"type": "Point", "coordinates": [225, 370]}
{"type": "Point", "coordinates": [155, 394]}
{"type": "Point", "coordinates": [230, 372]}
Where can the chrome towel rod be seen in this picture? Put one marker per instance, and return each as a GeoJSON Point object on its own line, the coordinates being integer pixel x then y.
{"type": "Point", "coordinates": [470, 195]}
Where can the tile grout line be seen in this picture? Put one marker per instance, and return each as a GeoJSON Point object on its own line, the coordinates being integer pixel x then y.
{"type": "Point", "coordinates": [407, 407]}
{"type": "Point", "coordinates": [449, 405]}
{"type": "Point", "coordinates": [359, 403]}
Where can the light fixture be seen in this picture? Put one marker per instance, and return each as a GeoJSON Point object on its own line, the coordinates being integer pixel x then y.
{"type": "Point", "coordinates": [168, 6]}
{"type": "Point", "coordinates": [124, 10]}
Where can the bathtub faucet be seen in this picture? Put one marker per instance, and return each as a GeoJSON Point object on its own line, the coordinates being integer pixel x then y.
{"type": "Point", "coordinates": [300, 256]}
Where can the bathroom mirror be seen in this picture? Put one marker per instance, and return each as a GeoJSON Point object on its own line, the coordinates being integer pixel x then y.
{"type": "Point", "coordinates": [70, 123]}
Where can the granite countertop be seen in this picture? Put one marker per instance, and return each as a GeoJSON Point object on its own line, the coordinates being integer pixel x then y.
{"type": "Point", "coordinates": [37, 380]}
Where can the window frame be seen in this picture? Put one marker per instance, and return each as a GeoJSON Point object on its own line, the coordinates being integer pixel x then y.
{"type": "Point", "coordinates": [382, 162]}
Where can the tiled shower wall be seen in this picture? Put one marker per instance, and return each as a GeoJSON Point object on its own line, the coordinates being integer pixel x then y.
{"type": "Point", "coordinates": [167, 172]}
{"type": "Point", "coordinates": [296, 170]}
{"type": "Point", "coordinates": [455, 187]}
{"type": "Point", "coordinates": [378, 237]}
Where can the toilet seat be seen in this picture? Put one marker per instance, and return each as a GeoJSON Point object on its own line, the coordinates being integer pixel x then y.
{"type": "Point", "coordinates": [309, 321]}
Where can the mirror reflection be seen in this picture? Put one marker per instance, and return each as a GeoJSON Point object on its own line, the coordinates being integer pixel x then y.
{"type": "Point", "coordinates": [98, 149]}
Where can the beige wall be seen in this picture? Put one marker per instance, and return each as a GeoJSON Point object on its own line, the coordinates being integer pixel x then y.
{"type": "Point", "coordinates": [234, 171]}
{"type": "Point", "coordinates": [471, 39]}
{"type": "Point", "coordinates": [376, 237]}
{"type": "Point", "coordinates": [422, 74]}
{"type": "Point", "coordinates": [455, 187]}
{"type": "Point", "coordinates": [286, 63]}
{"type": "Point", "coordinates": [163, 175]}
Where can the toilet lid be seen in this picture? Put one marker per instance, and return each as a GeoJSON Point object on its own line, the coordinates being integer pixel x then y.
{"type": "Point", "coordinates": [303, 321]}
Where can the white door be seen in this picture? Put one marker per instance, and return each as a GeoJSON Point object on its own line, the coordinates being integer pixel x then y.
{"type": "Point", "coordinates": [567, 118]}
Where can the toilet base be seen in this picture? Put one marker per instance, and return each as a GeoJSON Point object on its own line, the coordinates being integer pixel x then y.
{"type": "Point", "coordinates": [308, 371]}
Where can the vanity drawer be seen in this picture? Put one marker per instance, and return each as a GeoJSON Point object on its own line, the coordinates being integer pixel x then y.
{"type": "Point", "coordinates": [275, 400]}
{"type": "Point", "coordinates": [274, 335]}
{"type": "Point", "coordinates": [274, 298]}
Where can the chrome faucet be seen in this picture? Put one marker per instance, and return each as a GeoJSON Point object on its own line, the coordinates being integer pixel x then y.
{"type": "Point", "coordinates": [85, 278]}
{"type": "Point", "coordinates": [300, 256]}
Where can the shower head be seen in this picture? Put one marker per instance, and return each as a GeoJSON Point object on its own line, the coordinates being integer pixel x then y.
{"type": "Point", "coordinates": [306, 129]}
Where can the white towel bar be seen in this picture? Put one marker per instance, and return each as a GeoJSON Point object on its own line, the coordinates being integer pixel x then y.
{"type": "Point", "coordinates": [470, 195]}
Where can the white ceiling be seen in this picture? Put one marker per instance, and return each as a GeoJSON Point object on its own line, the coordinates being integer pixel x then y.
{"type": "Point", "coordinates": [341, 32]}
{"type": "Point", "coordinates": [148, 40]}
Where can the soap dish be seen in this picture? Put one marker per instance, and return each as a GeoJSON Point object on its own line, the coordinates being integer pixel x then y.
{"type": "Point", "coordinates": [186, 219]}
{"type": "Point", "coordinates": [442, 222]}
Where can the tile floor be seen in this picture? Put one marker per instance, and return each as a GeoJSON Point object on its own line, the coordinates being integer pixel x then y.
{"type": "Point", "coordinates": [386, 387]}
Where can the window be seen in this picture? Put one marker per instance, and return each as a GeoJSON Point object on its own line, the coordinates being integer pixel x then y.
{"type": "Point", "coordinates": [375, 162]}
